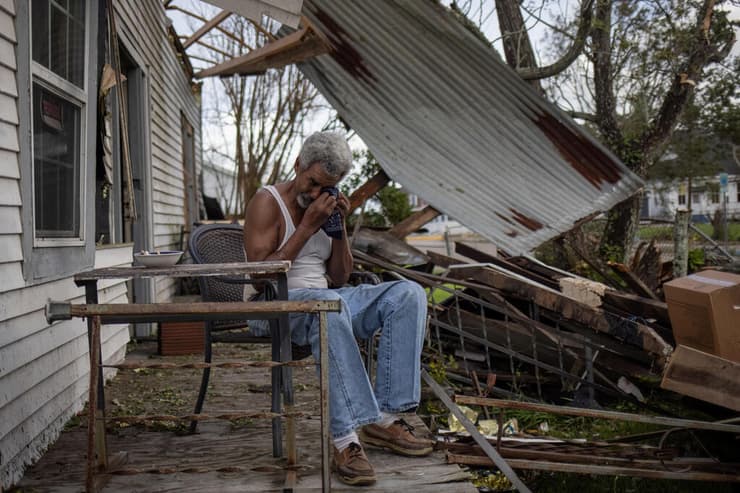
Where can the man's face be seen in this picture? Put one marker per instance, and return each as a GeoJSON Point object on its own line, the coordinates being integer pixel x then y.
{"type": "Point", "coordinates": [310, 181]}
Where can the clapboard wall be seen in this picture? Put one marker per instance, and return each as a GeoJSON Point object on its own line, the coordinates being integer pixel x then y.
{"type": "Point", "coordinates": [44, 368]}
{"type": "Point", "coordinates": [143, 30]}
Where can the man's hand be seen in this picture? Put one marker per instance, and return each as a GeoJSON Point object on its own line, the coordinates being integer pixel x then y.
{"type": "Point", "coordinates": [343, 205]}
{"type": "Point", "coordinates": [319, 211]}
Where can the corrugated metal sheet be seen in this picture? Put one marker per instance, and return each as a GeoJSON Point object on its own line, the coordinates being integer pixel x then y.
{"type": "Point", "coordinates": [456, 126]}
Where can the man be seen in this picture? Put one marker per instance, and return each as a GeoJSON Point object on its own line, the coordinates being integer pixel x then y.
{"type": "Point", "coordinates": [284, 222]}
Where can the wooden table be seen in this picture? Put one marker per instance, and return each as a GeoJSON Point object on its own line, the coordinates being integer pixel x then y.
{"type": "Point", "coordinates": [277, 311]}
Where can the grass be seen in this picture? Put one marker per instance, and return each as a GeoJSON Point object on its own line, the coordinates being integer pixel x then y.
{"type": "Point", "coordinates": [440, 294]}
{"type": "Point", "coordinates": [664, 232]}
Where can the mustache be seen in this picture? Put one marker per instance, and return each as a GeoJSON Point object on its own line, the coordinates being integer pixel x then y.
{"type": "Point", "coordinates": [304, 200]}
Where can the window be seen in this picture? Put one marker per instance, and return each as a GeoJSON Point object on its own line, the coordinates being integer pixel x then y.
{"type": "Point", "coordinates": [682, 199]}
{"type": "Point", "coordinates": [714, 195]}
{"type": "Point", "coordinates": [57, 63]}
{"type": "Point", "coordinates": [57, 119]}
{"type": "Point", "coordinates": [737, 191]}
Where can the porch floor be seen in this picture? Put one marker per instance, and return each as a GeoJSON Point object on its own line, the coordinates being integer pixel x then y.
{"type": "Point", "coordinates": [245, 446]}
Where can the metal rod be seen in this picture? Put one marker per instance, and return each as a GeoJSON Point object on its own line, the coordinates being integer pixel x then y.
{"type": "Point", "coordinates": [324, 391]}
{"type": "Point", "coordinates": [595, 413]}
{"type": "Point", "coordinates": [479, 439]}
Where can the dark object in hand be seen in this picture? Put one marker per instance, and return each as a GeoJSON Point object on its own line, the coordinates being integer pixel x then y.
{"type": "Point", "coordinates": [333, 225]}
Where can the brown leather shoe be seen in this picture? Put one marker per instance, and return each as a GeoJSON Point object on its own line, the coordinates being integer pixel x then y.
{"type": "Point", "coordinates": [352, 466]}
{"type": "Point", "coordinates": [398, 437]}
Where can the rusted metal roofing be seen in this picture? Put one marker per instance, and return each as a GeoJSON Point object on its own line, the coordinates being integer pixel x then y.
{"type": "Point", "coordinates": [456, 126]}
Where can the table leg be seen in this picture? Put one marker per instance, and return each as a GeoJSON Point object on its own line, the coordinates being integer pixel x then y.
{"type": "Point", "coordinates": [324, 389]}
{"type": "Point", "coordinates": [287, 384]}
{"type": "Point", "coordinates": [91, 298]}
{"type": "Point", "coordinates": [94, 441]}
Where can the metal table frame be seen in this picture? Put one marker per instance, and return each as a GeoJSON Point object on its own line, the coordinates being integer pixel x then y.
{"type": "Point", "coordinates": [276, 311]}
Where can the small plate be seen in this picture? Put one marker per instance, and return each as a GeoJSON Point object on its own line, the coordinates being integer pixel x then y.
{"type": "Point", "coordinates": [162, 258]}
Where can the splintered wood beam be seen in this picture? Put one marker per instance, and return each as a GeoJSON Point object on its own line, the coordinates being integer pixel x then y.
{"type": "Point", "coordinates": [223, 31]}
{"type": "Point", "coordinates": [367, 190]}
{"type": "Point", "coordinates": [206, 28]}
{"type": "Point", "coordinates": [637, 334]}
{"type": "Point", "coordinates": [414, 222]}
{"type": "Point", "coordinates": [639, 306]}
{"type": "Point", "coordinates": [311, 47]}
{"type": "Point", "coordinates": [634, 282]}
{"type": "Point", "coordinates": [295, 47]}
{"type": "Point", "coordinates": [481, 256]}
{"type": "Point", "coordinates": [703, 376]}
{"type": "Point", "coordinates": [694, 424]}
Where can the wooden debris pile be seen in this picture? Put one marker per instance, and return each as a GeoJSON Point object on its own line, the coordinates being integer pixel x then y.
{"type": "Point", "coordinates": [541, 332]}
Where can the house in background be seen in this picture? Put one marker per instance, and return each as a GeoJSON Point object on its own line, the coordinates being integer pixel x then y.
{"type": "Point", "coordinates": [663, 197]}
{"type": "Point", "coordinates": [65, 201]}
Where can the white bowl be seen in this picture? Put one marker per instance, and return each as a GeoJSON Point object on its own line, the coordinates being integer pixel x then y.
{"type": "Point", "coordinates": [163, 258]}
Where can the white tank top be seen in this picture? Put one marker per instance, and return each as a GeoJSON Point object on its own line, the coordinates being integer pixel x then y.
{"type": "Point", "coordinates": [309, 267]}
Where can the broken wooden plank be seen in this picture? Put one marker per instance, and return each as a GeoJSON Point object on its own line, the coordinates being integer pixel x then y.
{"type": "Point", "coordinates": [481, 256]}
{"type": "Point", "coordinates": [610, 470]}
{"type": "Point", "coordinates": [367, 190]}
{"type": "Point", "coordinates": [288, 44]}
{"type": "Point", "coordinates": [635, 333]}
{"type": "Point", "coordinates": [598, 414]}
{"type": "Point", "coordinates": [632, 281]}
{"type": "Point", "coordinates": [703, 376]}
{"type": "Point", "coordinates": [206, 28]}
{"type": "Point", "coordinates": [638, 306]}
{"type": "Point", "coordinates": [414, 222]}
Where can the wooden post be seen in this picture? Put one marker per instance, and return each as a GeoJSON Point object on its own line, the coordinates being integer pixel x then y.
{"type": "Point", "coordinates": [681, 243]}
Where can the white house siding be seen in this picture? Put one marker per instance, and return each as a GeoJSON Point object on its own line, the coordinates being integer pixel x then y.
{"type": "Point", "coordinates": [662, 198]}
{"type": "Point", "coordinates": [44, 369]}
{"type": "Point", "coordinates": [170, 96]}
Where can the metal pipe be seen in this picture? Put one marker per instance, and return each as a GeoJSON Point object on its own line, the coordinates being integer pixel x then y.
{"type": "Point", "coordinates": [479, 439]}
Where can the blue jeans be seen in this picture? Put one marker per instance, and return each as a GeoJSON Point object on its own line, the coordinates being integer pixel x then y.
{"type": "Point", "coordinates": [397, 308]}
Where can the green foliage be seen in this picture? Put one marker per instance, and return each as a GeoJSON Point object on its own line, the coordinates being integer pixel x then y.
{"type": "Point", "coordinates": [696, 259]}
{"type": "Point", "coordinates": [393, 203]}
{"type": "Point", "coordinates": [438, 366]}
{"type": "Point", "coordinates": [440, 294]}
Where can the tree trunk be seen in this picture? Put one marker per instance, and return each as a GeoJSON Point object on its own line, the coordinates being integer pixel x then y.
{"type": "Point", "coordinates": [620, 230]}
{"type": "Point", "coordinates": [517, 47]}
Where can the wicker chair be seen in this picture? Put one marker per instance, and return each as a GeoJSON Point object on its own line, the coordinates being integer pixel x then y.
{"type": "Point", "coordinates": [224, 243]}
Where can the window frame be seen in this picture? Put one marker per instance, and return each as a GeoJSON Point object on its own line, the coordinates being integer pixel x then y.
{"type": "Point", "coordinates": [48, 259]}
{"type": "Point", "coordinates": [77, 96]}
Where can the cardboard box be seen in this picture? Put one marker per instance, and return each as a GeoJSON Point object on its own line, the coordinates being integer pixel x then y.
{"type": "Point", "coordinates": [705, 312]}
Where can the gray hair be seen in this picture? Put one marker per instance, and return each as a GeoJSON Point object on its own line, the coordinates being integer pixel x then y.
{"type": "Point", "coordinates": [330, 150]}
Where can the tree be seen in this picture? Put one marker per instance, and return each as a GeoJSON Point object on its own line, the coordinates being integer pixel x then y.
{"type": "Point", "coordinates": [264, 114]}
{"type": "Point", "coordinates": [628, 69]}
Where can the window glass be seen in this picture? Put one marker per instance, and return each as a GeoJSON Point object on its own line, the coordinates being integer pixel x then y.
{"type": "Point", "coordinates": [56, 160]}
{"type": "Point", "coordinates": [58, 32]}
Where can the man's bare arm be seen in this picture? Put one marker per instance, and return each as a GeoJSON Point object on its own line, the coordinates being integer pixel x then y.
{"type": "Point", "coordinates": [262, 231]}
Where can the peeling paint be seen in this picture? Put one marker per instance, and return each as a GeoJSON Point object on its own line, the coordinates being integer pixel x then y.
{"type": "Point", "coordinates": [342, 50]}
{"type": "Point", "coordinates": [527, 222]}
{"type": "Point", "coordinates": [504, 218]}
{"type": "Point", "coordinates": [595, 165]}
